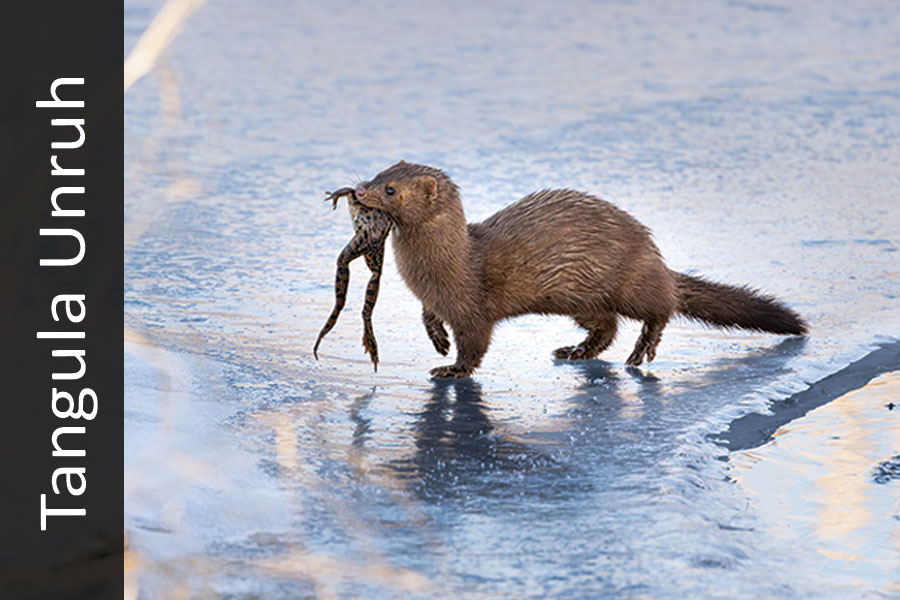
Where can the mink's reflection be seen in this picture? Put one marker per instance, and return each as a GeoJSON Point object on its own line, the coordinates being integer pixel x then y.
{"type": "Point", "coordinates": [459, 453]}
{"type": "Point", "coordinates": [618, 423]}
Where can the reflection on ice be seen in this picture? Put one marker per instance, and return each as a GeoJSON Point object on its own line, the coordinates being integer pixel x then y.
{"type": "Point", "coordinates": [827, 499]}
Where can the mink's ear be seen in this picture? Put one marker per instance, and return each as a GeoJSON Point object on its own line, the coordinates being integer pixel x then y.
{"type": "Point", "coordinates": [428, 185]}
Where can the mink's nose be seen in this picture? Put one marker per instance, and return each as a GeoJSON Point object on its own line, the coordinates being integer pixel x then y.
{"type": "Point", "coordinates": [360, 191]}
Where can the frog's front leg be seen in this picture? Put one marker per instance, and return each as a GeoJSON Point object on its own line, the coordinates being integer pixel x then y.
{"type": "Point", "coordinates": [336, 195]}
{"type": "Point", "coordinates": [357, 246]}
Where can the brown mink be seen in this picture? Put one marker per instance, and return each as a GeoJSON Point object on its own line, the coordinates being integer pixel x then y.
{"type": "Point", "coordinates": [554, 252]}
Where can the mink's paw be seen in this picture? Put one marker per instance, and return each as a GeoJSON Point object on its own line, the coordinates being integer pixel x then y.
{"type": "Point", "coordinates": [578, 352]}
{"type": "Point", "coordinates": [449, 371]}
{"type": "Point", "coordinates": [440, 340]}
{"type": "Point", "coordinates": [642, 351]}
{"type": "Point", "coordinates": [637, 357]}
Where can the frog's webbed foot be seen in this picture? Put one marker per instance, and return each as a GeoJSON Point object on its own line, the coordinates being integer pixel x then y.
{"type": "Point", "coordinates": [370, 344]}
{"type": "Point", "coordinates": [319, 341]}
{"type": "Point", "coordinates": [340, 296]}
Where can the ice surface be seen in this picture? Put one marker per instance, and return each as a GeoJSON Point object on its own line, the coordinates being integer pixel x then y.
{"type": "Point", "coordinates": [758, 141]}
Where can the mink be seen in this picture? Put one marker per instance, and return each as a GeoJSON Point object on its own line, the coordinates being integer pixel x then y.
{"type": "Point", "coordinates": [554, 252]}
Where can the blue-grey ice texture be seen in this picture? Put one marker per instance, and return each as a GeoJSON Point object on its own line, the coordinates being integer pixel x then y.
{"type": "Point", "coordinates": [760, 141]}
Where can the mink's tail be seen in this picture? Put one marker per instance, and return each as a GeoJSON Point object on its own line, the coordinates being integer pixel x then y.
{"type": "Point", "coordinates": [734, 306]}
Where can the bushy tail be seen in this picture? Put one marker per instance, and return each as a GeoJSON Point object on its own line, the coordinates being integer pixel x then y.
{"type": "Point", "coordinates": [734, 306]}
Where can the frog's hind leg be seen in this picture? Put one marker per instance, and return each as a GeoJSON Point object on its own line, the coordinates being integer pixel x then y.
{"type": "Point", "coordinates": [352, 250]}
{"type": "Point", "coordinates": [375, 262]}
{"type": "Point", "coordinates": [601, 333]}
{"type": "Point", "coordinates": [342, 280]}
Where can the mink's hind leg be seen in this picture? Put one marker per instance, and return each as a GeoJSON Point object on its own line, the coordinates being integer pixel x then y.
{"type": "Point", "coordinates": [647, 342]}
{"type": "Point", "coordinates": [602, 332]}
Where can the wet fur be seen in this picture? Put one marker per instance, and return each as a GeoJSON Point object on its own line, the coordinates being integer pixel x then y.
{"type": "Point", "coordinates": [554, 252]}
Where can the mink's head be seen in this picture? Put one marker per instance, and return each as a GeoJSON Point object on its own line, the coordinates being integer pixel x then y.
{"type": "Point", "coordinates": [412, 194]}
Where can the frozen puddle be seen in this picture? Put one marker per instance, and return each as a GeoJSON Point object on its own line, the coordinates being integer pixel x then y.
{"type": "Point", "coordinates": [817, 484]}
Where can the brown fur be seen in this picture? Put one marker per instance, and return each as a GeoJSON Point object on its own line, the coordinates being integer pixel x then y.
{"type": "Point", "coordinates": [555, 252]}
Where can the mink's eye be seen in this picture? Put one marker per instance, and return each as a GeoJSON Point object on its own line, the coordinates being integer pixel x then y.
{"type": "Point", "coordinates": [389, 191]}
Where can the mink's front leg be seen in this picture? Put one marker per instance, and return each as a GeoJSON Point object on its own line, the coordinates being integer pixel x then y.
{"type": "Point", "coordinates": [436, 332]}
{"type": "Point", "coordinates": [472, 341]}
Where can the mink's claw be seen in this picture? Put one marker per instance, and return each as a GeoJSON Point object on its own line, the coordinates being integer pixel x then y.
{"type": "Point", "coordinates": [449, 371]}
{"type": "Point", "coordinates": [570, 353]}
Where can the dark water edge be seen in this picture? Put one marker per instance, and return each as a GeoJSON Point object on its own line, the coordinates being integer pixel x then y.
{"type": "Point", "coordinates": [754, 430]}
